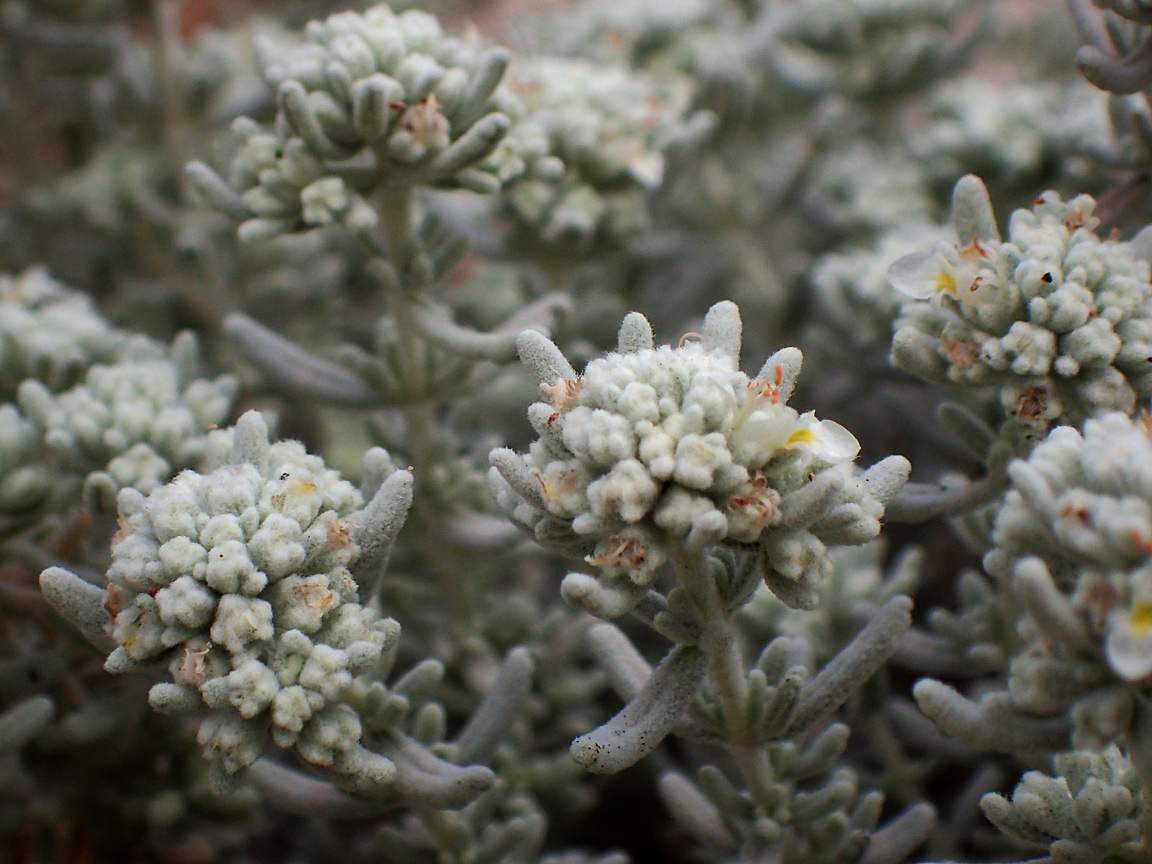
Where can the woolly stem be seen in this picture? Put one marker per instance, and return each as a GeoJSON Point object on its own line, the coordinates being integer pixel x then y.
{"type": "Point", "coordinates": [726, 666]}
{"type": "Point", "coordinates": [395, 200]}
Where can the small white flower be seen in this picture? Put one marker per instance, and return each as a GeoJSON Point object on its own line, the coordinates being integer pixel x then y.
{"type": "Point", "coordinates": [921, 275]}
{"type": "Point", "coordinates": [827, 440]}
{"type": "Point", "coordinates": [1129, 643]}
{"type": "Point", "coordinates": [947, 269]}
{"type": "Point", "coordinates": [768, 431]}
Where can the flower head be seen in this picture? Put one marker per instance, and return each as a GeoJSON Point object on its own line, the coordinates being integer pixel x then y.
{"type": "Point", "coordinates": [657, 450]}
{"type": "Point", "coordinates": [1053, 316]}
{"type": "Point", "coordinates": [239, 580]}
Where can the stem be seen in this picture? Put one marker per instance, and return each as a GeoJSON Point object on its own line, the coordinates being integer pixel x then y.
{"type": "Point", "coordinates": [395, 204]}
{"type": "Point", "coordinates": [164, 13]}
{"type": "Point", "coordinates": [395, 199]}
{"type": "Point", "coordinates": [726, 665]}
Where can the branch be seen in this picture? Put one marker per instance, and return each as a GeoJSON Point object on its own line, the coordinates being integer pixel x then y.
{"type": "Point", "coordinates": [293, 369]}
{"type": "Point", "coordinates": [1129, 74]}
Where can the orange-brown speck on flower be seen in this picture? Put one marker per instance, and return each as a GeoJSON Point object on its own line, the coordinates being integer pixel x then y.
{"type": "Point", "coordinates": [1072, 511]}
{"type": "Point", "coordinates": [758, 505]}
{"type": "Point", "coordinates": [1141, 542]}
{"type": "Point", "coordinates": [314, 598]}
{"type": "Point", "coordinates": [123, 531]}
{"type": "Point", "coordinates": [962, 352]}
{"type": "Point", "coordinates": [626, 552]}
{"type": "Point", "coordinates": [567, 479]}
{"type": "Point", "coordinates": [421, 119]}
{"type": "Point", "coordinates": [1032, 402]}
{"type": "Point", "coordinates": [1144, 418]}
{"type": "Point", "coordinates": [758, 508]}
{"type": "Point", "coordinates": [192, 666]}
{"type": "Point", "coordinates": [769, 390]}
{"type": "Point", "coordinates": [563, 392]}
{"type": "Point", "coordinates": [1101, 598]}
{"type": "Point", "coordinates": [974, 251]}
{"type": "Point", "coordinates": [338, 533]}
{"type": "Point", "coordinates": [113, 601]}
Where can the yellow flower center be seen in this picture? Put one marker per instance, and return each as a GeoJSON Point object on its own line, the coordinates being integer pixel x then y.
{"type": "Point", "coordinates": [1141, 616]}
{"type": "Point", "coordinates": [945, 282]}
{"type": "Point", "coordinates": [800, 436]}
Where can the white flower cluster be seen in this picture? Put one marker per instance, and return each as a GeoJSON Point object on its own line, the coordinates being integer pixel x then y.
{"type": "Point", "coordinates": [140, 419]}
{"type": "Point", "coordinates": [1079, 521]}
{"type": "Point", "coordinates": [395, 81]}
{"type": "Point", "coordinates": [863, 47]}
{"type": "Point", "coordinates": [1095, 529]}
{"type": "Point", "coordinates": [611, 127]}
{"type": "Point", "coordinates": [1056, 317]}
{"type": "Point", "coordinates": [375, 91]}
{"type": "Point", "coordinates": [619, 30]}
{"type": "Point", "coordinates": [1090, 809]}
{"type": "Point", "coordinates": [25, 481]}
{"type": "Point", "coordinates": [239, 581]}
{"type": "Point", "coordinates": [865, 188]}
{"type": "Point", "coordinates": [653, 451]}
{"type": "Point", "coordinates": [1008, 133]}
{"type": "Point", "coordinates": [50, 333]}
{"type": "Point", "coordinates": [87, 397]}
{"type": "Point", "coordinates": [285, 187]}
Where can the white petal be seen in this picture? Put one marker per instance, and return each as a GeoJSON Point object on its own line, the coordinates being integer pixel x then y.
{"type": "Point", "coordinates": [766, 431]}
{"type": "Point", "coordinates": [834, 443]}
{"type": "Point", "coordinates": [1129, 652]}
{"type": "Point", "coordinates": [827, 441]}
{"type": "Point", "coordinates": [916, 275]}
